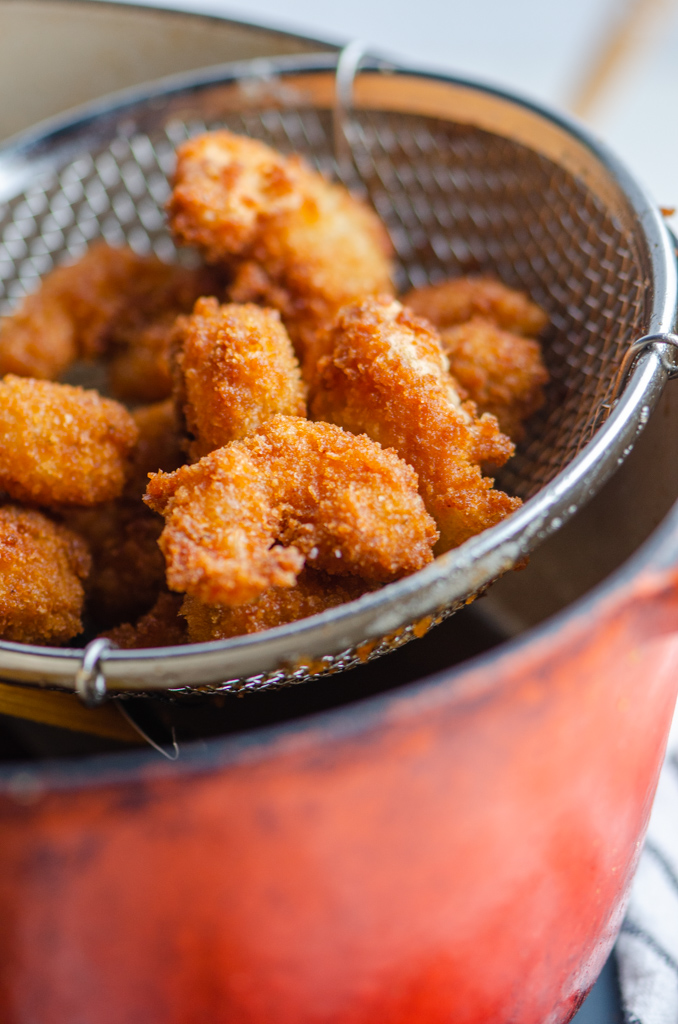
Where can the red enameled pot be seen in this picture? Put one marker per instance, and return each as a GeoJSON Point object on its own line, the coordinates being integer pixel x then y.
{"type": "Point", "coordinates": [458, 849]}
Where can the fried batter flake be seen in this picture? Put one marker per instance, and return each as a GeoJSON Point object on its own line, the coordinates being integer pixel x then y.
{"type": "Point", "coordinates": [295, 242]}
{"type": "Point", "coordinates": [248, 515]}
{"type": "Point", "coordinates": [236, 369]}
{"type": "Point", "coordinates": [61, 445]}
{"type": "Point", "coordinates": [313, 593]}
{"type": "Point", "coordinates": [456, 301]}
{"type": "Point", "coordinates": [42, 566]}
{"type": "Point", "coordinates": [387, 376]}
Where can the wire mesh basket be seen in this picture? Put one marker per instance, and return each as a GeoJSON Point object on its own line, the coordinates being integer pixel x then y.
{"type": "Point", "coordinates": [467, 179]}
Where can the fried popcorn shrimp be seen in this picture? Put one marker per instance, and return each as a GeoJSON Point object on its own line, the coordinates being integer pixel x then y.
{"type": "Point", "coordinates": [295, 242]}
{"type": "Point", "coordinates": [61, 445]}
{"type": "Point", "coordinates": [128, 569]}
{"type": "Point", "coordinates": [456, 301]}
{"type": "Point", "coordinates": [313, 592]}
{"type": "Point", "coordinates": [502, 373]}
{"type": "Point", "coordinates": [42, 566]}
{"type": "Point", "coordinates": [387, 376]}
{"type": "Point", "coordinates": [236, 369]}
{"type": "Point", "coordinates": [160, 445]}
{"type": "Point", "coordinates": [247, 516]}
{"type": "Point", "coordinates": [162, 626]}
{"type": "Point", "coordinates": [220, 529]}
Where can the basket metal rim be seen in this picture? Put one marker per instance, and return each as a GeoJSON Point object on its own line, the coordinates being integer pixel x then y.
{"type": "Point", "coordinates": [455, 574]}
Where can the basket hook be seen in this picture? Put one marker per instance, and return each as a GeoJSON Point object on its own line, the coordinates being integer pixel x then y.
{"type": "Point", "coordinates": [348, 64]}
{"type": "Point", "coordinates": [90, 682]}
{"type": "Point", "coordinates": [630, 357]}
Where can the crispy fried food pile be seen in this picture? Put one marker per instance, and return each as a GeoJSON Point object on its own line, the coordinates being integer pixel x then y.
{"type": "Point", "coordinates": [386, 375]}
{"type": "Point", "coordinates": [269, 516]}
{"type": "Point", "coordinates": [488, 332]}
{"type": "Point", "coordinates": [293, 241]}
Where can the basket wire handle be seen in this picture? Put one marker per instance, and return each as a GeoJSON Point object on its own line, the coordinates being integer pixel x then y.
{"type": "Point", "coordinates": [348, 65]}
{"type": "Point", "coordinates": [630, 357]}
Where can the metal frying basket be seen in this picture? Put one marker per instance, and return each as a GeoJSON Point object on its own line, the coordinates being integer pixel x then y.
{"type": "Point", "coordinates": [466, 178]}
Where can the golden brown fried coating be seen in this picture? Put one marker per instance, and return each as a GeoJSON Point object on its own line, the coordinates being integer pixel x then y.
{"type": "Point", "coordinates": [313, 592]}
{"type": "Point", "coordinates": [296, 242]}
{"type": "Point", "coordinates": [503, 373]}
{"type": "Point", "coordinates": [387, 376]}
{"type": "Point", "coordinates": [220, 526]}
{"type": "Point", "coordinates": [162, 626]}
{"type": "Point", "coordinates": [128, 569]}
{"type": "Point", "coordinates": [246, 516]}
{"type": "Point", "coordinates": [456, 301]}
{"type": "Point", "coordinates": [61, 445]}
{"type": "Point", "coordinates": [161, 445]}
{"type": "Point", "coordinates": [236, 369]}
{"type": "Point", "coordinates": [42, 565]}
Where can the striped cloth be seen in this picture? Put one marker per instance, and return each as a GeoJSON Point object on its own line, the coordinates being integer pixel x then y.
{"type": "Point", "coordinates": [647, 947]}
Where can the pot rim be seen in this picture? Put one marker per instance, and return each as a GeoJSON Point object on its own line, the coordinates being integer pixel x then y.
{"type": "Point", "coordinates": [658, 553]}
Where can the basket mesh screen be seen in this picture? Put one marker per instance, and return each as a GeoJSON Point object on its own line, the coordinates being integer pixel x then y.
{"type": "Point", "coordinates": [455, 200]}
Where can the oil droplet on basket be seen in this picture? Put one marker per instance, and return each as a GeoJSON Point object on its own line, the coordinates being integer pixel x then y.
{"type": "Point", "coordinates": [556, 523]}
{"type": "Point", "coordinates": [644, 414]}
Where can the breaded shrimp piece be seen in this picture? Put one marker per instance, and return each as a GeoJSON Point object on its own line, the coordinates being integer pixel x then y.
{"type": "Point", "coordinates": [313, 592]}
{"type": "Point", "coordinates": [61, 445]}
{"type": "Point", "coordinates": [337, 501]}
{"type": "Point", "coordinates": [161, 445]}
{"type": "Point", "coordinates": [456, 301]}
{"type": "Point", "coordinates": [387, 376]}
{"type": "Point", "coordinates": [42, 566]}
{"type": "Point", "coordinates": [501, 372]}
{"type": "Point", "coordinates": [236, 369]}
{"type": "Point", "coordinates": [162, 626]}
{"type": "Point", "coordinates": [128, 569]}
{"type": "Point", "coordinates": [220, 528]}
{"type": "Point", "coordinates": [295, 242]}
